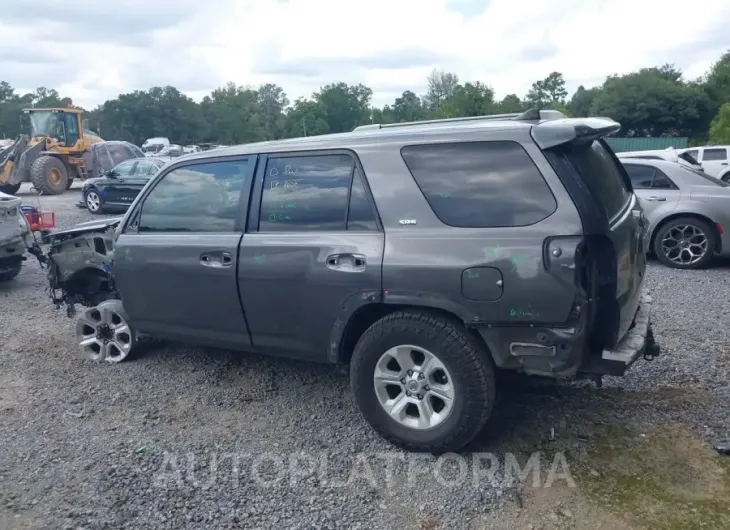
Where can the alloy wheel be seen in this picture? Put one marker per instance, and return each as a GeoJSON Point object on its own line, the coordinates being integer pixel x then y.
{"type": "Point", "coordinates": [104, 334]}
{"type": "Point", "coordinates": [685, 244]}
{"type": "Point", "coordinates": [93, 201]}
{"type": "Point", "coordinates": [414, 387]}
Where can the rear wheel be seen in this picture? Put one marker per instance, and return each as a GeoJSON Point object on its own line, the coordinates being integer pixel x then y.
{"type": "Point", "coordinates": [422, 381]}
{"type": "Point", "coordinates": [685, 243]}
{"type": "Point", "coordinates": [49, 175]}
{"type": "Point", "coordinates": [10, 189]}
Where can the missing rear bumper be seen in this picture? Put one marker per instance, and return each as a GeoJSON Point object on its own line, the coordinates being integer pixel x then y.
{"type": "Point", "coordinates": [638, 341]}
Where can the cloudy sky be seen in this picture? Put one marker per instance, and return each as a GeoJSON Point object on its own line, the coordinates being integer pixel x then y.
{"type": "Point", "coordinates": [92, 50]}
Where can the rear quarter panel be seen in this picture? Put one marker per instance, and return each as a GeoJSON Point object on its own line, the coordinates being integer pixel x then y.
{"type": "Point", "coordinates": [424, 262]}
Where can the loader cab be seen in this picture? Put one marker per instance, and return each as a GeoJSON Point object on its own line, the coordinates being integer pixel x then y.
{"type": "Point", "coordinates": [63, 125]}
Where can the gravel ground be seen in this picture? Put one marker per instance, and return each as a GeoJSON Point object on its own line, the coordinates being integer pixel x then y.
{"type": "Point", "coordinates": [187, 437]}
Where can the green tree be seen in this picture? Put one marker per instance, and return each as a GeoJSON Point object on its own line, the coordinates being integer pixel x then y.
{"type": "Point", "coordinates": [720, 126]}
{"type": "Point", "coordinates": [470, 99]}
{"type": "Point", "coordinates": [306, 118]}
{"type": "Point", "coordinates": [549, 90]}
{"type": "Point", "coordinates": [407, 107]}
{"type": "Point", "coordinates": [648, 103]}
{"type": "Point", "coordinates": [272, 101]}
{"type": "Point", "coordinates": [441, 86]}
{"type": "Point", "coordinates": [717, 82]}
{"type": "Point", "coordinates": [345, 106]}
{"type": "Point", "coordinates": [510, 104]}
{"type": "Point", "coordinates": [234, 115]}
{"type": "Point", "coordinates": [582, 101]}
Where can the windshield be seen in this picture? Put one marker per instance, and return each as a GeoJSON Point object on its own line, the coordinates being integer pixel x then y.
{"type": "Point", "coordinates": [689, 158]}
{"type": "Point", "coordinates": [42, 123]}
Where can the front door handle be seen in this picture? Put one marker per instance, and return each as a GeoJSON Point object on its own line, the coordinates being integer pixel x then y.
{"type": "Point", "coordinates": [347, 262]}
{"type": "Point", "coordinates": [216, 259]}
{"type": "Point", "coordinates": [656, 199]}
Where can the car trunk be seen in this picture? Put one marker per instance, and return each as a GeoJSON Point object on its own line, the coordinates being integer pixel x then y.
{"type": "Point", "coordinates": [611, 262]}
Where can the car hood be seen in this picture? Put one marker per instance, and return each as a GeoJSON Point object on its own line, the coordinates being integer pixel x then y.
{"type": "Point", "coordinates": [100, 225]}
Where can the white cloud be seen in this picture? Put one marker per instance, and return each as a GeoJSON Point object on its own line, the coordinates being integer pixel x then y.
{"type": "Point", "coordinates": [389, 45]}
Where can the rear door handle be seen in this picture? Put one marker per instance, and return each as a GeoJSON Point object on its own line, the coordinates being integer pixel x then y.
{"type": "Point", "coordinates": [656, 199]}
{"type": "Point", "coordinates": [347, 262]}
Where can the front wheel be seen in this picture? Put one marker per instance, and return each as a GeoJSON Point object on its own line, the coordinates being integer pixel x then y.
{"type": "Point", "coordinates": [422, 381]}
{"type": "Point", "coordinates": [93, 201]}
{"type": "Point", "coordinates": [11, 272]}
{"type": "Point", "coordinates": [49, 175]}
{"type": "Point", "coordinates": [104, 333]}
{"type": "Point", "coordinates": [685, 243]}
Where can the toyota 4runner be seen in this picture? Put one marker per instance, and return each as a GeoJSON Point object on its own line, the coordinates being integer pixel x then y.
{"type": "Point", "coordinates": [425, 255]}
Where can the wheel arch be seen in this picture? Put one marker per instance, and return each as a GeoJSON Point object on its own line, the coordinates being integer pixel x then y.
{"type": "Point", "coordinates": [366, 315]}
{"type": "Point", "coordinates": [678, 215]}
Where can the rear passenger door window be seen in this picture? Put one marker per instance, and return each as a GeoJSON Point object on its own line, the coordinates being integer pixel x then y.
{"type": "Point", "coordinates": [480, 184]}
{"type": "Point", "coordinates": [314, 193]}
{"type": "Point", "coordinates": [196, 198]}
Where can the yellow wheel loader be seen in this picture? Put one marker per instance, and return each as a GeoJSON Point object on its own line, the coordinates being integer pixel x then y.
{"type": "Point", "coordinates": [56, 151]}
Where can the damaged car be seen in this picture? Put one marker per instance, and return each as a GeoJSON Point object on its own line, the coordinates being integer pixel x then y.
{"type": "Point", "coordinates": [425, 256]}
{"type": "Point", "coordinates": [16, 237]}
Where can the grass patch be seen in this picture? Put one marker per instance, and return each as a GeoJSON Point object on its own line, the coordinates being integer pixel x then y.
{"type": "Point", "coordinates": [659, 478]}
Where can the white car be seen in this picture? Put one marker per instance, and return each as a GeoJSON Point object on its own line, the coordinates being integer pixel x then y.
{"type": "Point", "coordinates": [715, 160]}
{"type": "Point", "coordinates": [678, 156]}
{"type": "Point", "coordinates": [152, 146]}
{"type": "Point", "coordinates": [15, 236]}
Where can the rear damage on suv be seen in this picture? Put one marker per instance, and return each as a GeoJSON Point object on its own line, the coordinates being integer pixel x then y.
{"type": "Point", "coordinates": [612, 308]}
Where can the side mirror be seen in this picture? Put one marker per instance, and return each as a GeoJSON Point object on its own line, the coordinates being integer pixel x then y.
{"type": "Point", "coordinates": [111, 174]}
{"type": "Point", "coordinates": [85, 124]}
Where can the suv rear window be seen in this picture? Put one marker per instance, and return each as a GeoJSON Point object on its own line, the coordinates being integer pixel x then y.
{"type": "Point", "coordinates": [602, 174]}
{"type": "Point", "coordinates": [480, 184]}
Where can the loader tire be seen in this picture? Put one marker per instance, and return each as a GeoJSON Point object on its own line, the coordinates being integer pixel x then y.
{"type": "Point", "coordinates": [49, 175]}
{"type": "Point", "coordinates": [10, 189]}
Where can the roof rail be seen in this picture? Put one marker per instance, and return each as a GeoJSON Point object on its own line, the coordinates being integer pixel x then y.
{"type": "Point", "coordinates": [528, 115]}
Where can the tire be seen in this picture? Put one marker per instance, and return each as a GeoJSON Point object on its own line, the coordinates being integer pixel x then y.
{"type": "Point", "coordinates": [49, 175]}
{"type": "Point", "coordinates": [10, 189]}
{"type": "Point", "coordinates": [117, 343]}
{"type": "Point", "coordinates": [93, 201]}
{"type": "Point", "coordinates": [725, 177]}
{"type": "Point", "coordinates": [464, 360]}
{"type": "Point", "coordinates": [691, 223]}
{"type": "Point", "coordinates": [12, 273]}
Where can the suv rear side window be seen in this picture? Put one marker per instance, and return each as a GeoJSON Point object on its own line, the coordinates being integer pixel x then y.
{"type": "Point", "coordinates": [480, 184]}
{"type": "Point", "coordinates": [602, 174]}
{"type": "Point", "coordinates": [195, 198]}
{"type": "Point", "coordinates": [710, 155]}
{"type": "Point", "coordinates": [314, 193]}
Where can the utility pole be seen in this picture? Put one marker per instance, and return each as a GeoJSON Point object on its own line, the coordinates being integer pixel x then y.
{"type": "Point", "coordinates": [304, 126]}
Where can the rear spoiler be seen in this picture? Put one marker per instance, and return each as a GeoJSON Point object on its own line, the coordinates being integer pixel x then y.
{"type": "Point", "coordinates": [552, 133]}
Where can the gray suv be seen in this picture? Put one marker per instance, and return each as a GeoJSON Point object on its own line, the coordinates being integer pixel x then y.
{"type": "Point", "coordinates": [427, 256]}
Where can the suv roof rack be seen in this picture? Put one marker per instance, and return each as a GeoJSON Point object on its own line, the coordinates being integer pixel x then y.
{"type": "Point", "coordinates": [528, 115]}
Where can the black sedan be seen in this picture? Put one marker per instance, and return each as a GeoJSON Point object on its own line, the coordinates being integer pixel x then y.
{"type": "Point", "coordinates": [118, 187]}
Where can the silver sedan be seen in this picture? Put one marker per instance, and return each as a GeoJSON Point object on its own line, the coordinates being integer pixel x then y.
{"type": "Point", "coordinates": [688, 212]}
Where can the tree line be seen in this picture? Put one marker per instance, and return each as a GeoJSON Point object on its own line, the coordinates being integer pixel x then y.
{"type": "Point", "coordinates": [656, 101]}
